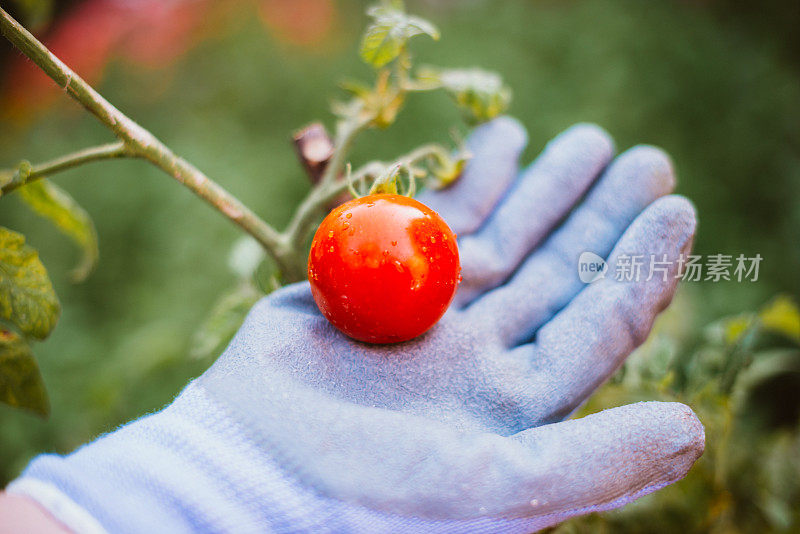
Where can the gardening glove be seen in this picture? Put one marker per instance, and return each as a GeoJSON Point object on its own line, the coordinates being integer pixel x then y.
{"type": "Point", "coordinates": [297, 428]}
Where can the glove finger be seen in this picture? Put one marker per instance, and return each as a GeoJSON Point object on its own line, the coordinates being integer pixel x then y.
{"type": "Point", "coordinates": [543, 195]}
{"type": "Point", "coordinates": [589, 339]}
{"type": "Point", "coordinates": [608, 459]}
{"type": "Point", "coordinates": [548, 279]}
{"type": "Point", "coordinates": [495, 148]}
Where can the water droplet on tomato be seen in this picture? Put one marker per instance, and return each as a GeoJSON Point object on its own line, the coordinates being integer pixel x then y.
{"type": "Point", "coordinates": [424, 249]}
{"type": "Point", "coordinates": [331, 249]}
{"type": "Point", "coordinates": [346, 225]}
{"type": "Point", "coordinates": [330, 234]}
{"type": "Point", "coordinates": [394, 243]}
{"type": "Point", "coordinates": [349, 215]}
{"type": "Point", "coordinates": [433, 239]}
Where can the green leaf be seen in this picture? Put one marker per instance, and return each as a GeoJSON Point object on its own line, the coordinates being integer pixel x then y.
{"type": "Point", "coordinates": [27, 298]}
{"type": "Point", "coordinates": [356, 88]}
{"type": "Point", "coordinates": [481, 94]}
{"type": "Point", "coordinates": [736, 327]}
{"type": "Point", "coordinates": [20, 380]}
{"type": "Point", "coordinates": [782, 316]}
{"type": "Point", "coordinates": [223, 321]}
{"type": "Point", "coordinates": [389, 33]}
{"type": "Point", "coordinates": [57, 206]}
{"type": "Point", "coordinates": [449, 170]}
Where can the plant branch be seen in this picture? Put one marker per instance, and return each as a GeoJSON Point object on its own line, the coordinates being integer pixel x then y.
{"type": "Point", "coordinates": [142, 143]}
{"type": "Point", "coordinates": [11, 179]}
{"type": "Point", "coordinates": [346, 132]}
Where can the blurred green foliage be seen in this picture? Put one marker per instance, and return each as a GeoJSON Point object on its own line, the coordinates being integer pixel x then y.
{"type": "Point", "coordinates": [723, 100]}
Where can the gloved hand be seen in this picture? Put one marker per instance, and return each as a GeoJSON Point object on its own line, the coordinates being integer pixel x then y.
{"type": "Point", "coordinates": [297, 428]}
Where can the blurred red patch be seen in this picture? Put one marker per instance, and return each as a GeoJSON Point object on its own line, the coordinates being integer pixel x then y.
{"type": "Point", "coordinates": [298, 22]}
{"type": "Point", "coordinates": [83, 40]}
{"type": "Point", "coordinates": [162, 31]}
{"type": "Point", "coordinates": [152, 33]}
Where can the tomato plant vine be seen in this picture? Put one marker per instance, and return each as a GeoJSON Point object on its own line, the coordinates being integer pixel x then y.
{"type": "Point", "coordinates": [29, 307]}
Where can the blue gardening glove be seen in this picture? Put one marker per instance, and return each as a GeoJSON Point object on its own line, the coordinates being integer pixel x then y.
{"type": "Point", "coordinates": [297, 428]}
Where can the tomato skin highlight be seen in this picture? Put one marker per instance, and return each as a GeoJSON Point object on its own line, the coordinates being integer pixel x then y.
{"type": "Point", "coordinates": [383, 268]}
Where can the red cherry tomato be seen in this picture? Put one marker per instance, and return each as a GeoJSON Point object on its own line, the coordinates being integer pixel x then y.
{"type": "Point", "coordinates": [383, 268]}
